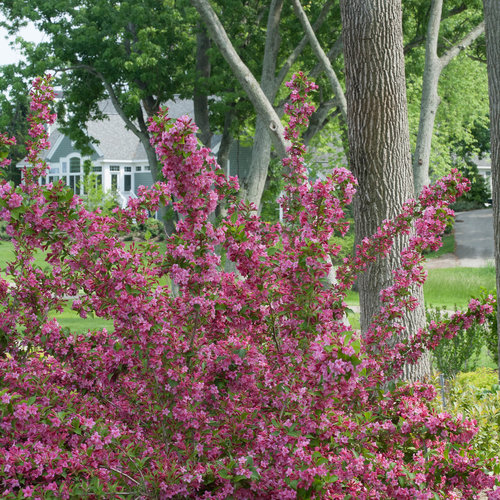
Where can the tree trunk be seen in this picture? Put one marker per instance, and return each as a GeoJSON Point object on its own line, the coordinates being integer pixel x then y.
{"type": "Point", "coordinates": [200, 99]}
{"type": "Point", "coordinates": [434, 65]}
{"type": "Point", "coordinates": [492, 21]}
{"type": "Point", "coordinates": [379, 140]}
{"type": "Point", "coordinates": [430, 100]}
{"type": "Point", "coordinates": [253, 186]}
{"type": "Point", "coordinates": [252, 88]}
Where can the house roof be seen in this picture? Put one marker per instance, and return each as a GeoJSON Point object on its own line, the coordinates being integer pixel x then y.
{"type": "Point", "coordinates": [115, 141]}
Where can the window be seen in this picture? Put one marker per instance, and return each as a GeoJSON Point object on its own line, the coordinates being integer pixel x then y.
{"type": "Point", "coordinates": [75, 175]}
{"type": "Point", "coordinates": [138, 169]}
{"type": "Point", "coordinates": [127, 183]}
{"type": "Point", "coordinates": [114, 182]}
{"type": "Point", "coordinates": [147, 168]}
{"type": "Point", "coordinates": [128, 169]}
{"type": "Point", "coordinates": [96, 169]}
{"type": "Point", "coordinates": [64, 167]}
{"type": "Point", "coordinates": [54, 170]}
{"type": "Point", "coordinates": [74, 165]}
{"type": "Point", "coordinates": [114, 168]}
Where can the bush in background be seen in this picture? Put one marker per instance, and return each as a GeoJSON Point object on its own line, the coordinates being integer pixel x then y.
{"type": "Point", "coordinates": [476, 396]}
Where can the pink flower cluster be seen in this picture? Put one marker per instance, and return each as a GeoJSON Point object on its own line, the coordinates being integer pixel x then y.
{"type": "Point", "coordinates": [242, 385]}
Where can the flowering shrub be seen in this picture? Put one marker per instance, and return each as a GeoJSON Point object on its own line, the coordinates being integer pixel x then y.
{"type": "Point", "coordinates": [244, 385]}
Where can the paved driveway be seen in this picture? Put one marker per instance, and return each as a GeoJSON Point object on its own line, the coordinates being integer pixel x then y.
{"type": "Point", "coordinates": [473, 239]}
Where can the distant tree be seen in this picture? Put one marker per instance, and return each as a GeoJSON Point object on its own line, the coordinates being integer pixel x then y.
{"type": "Point", "coordinates": [134, 53]}
{"type": "Point", "coordinates": [14, 109]}
{"type": "Point", "coordinates": [434, 65]}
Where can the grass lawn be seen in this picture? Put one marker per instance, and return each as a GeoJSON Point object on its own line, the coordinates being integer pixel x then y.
{"type": "Point", "coordinates": [451, 286]}
{"type": "Point", "coordinates": [448, 287]}
{"type": "Point", "coordinates": [7, 255]}
{"type": "Point", "coordinates": [69, 318]}
{"type": "Point", "coordinates": [455, 286]}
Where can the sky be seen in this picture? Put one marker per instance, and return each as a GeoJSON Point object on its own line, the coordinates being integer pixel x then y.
{"type": "Point", "coordinates": [8, 54]}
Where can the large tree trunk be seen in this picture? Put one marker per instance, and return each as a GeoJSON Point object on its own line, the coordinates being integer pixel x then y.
{"type": "Point", "coordinates": [492, 21]}
{"type": "Point", "coordinates": [379, 140]}
{"type": "Point", "coordinates": [434, 65]}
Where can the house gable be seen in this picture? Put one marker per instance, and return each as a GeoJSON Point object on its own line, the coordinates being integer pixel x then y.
{"type": "Point", "coordinates": [64, 149]}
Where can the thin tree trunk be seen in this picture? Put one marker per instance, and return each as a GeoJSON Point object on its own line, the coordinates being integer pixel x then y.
{"type": "Point", "coordinates": [379, 140]}
{"type": "Point", "coordinates": [259, 100]}
{"type": "Point", "coordinates": [434, 65]}
{"type": "Point", "coordinates": [492, 21]}
{"type": "Point", "coordinates": [322, 57]}
{"type": "Point", "coordinates": [200, 99]}
{"type": "Point", "coordinates": [255, 181]}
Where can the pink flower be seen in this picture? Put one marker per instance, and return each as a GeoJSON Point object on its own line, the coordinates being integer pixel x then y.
{"type": "Point", "coordinates": [15, 200]}
{"type": "Point", "coordinates": [28, 491]}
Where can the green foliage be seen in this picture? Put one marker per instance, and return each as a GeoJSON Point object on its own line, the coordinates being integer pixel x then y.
{"type": "Point", "coordinates": [463, 351]}
{"type": "Point", "coordinates": [453, 355]}
{"type": "Point", "coordinates": [14, 109]}
{"type": "Point", "coordinates": [95, 197]}
{"type": "Point", "coordinates": [491, 337]}
{"type": "Point", "coordinates": [482, 378]}
{"type": "Point", "coordinates": [274, 186]}
{"type": "Point", "coordinates": [476, 396]}
{"type": "Point", "coordinates": [152, 229]}
{"type": "Point", "coordinates": [347, 243]}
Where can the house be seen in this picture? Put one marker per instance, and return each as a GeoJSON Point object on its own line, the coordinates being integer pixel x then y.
{"type": "Point", "coordinates": [484, 168]}
{"type": "Point", "coordinates": [119, 160]}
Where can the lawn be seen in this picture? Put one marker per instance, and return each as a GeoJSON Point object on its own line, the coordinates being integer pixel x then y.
{"type": "Point", "coordinates": [69, 318]}
{"type": "Point", "coordinates": [448, 287]}
{"type": "Point", "coordinates": [451, 286]}
{"type": "Point", "coordinates": [455, 286]}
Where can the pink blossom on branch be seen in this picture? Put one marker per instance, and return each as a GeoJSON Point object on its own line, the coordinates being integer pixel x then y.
{"type": "Point", "coordinates": [243, 386]}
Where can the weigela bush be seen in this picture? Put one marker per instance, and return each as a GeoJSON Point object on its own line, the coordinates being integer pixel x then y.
{"type": "Point", "coordinates": [244, 385]}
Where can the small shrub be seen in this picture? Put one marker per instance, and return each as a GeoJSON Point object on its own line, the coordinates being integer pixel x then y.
{"type": "Point", "coordinates": [476, 396]}
{"type": "Point", "coordinates": [454, 354]}
{"type": "Point", "coordinates": [482, 378]}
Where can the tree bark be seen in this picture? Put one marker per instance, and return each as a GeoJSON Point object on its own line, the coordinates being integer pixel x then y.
{"type": "Point", "coordinates": [379, 141]}
{"type": "Point", "coordinates": [255, 181]}
{"type": "Point", "coordinates": [200, 99]}
{"type": "Point", "coordinates": [261, 104]}
{"type": "Point", "coordinates": [338, 92]}
{"type": "Point", "coordinates": [434, 65]}
{"type": "Point", "coordinates": [492, 21]}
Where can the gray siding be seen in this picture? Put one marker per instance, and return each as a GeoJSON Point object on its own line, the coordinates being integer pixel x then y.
{"type": "Point", "coordinates": [143, 179]}
{"type": "Point", "coordinates": [64, 149]}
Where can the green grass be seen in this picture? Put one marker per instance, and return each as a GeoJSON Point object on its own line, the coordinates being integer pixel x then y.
{"type": "Point", "coordinates": [457, 285]}
{"type": "Point", "coordinates": [72, 320]}
{"type": "Point", "coordinates": [7, 255]}
{"type": "Point", "coordinates": [450, 286]}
